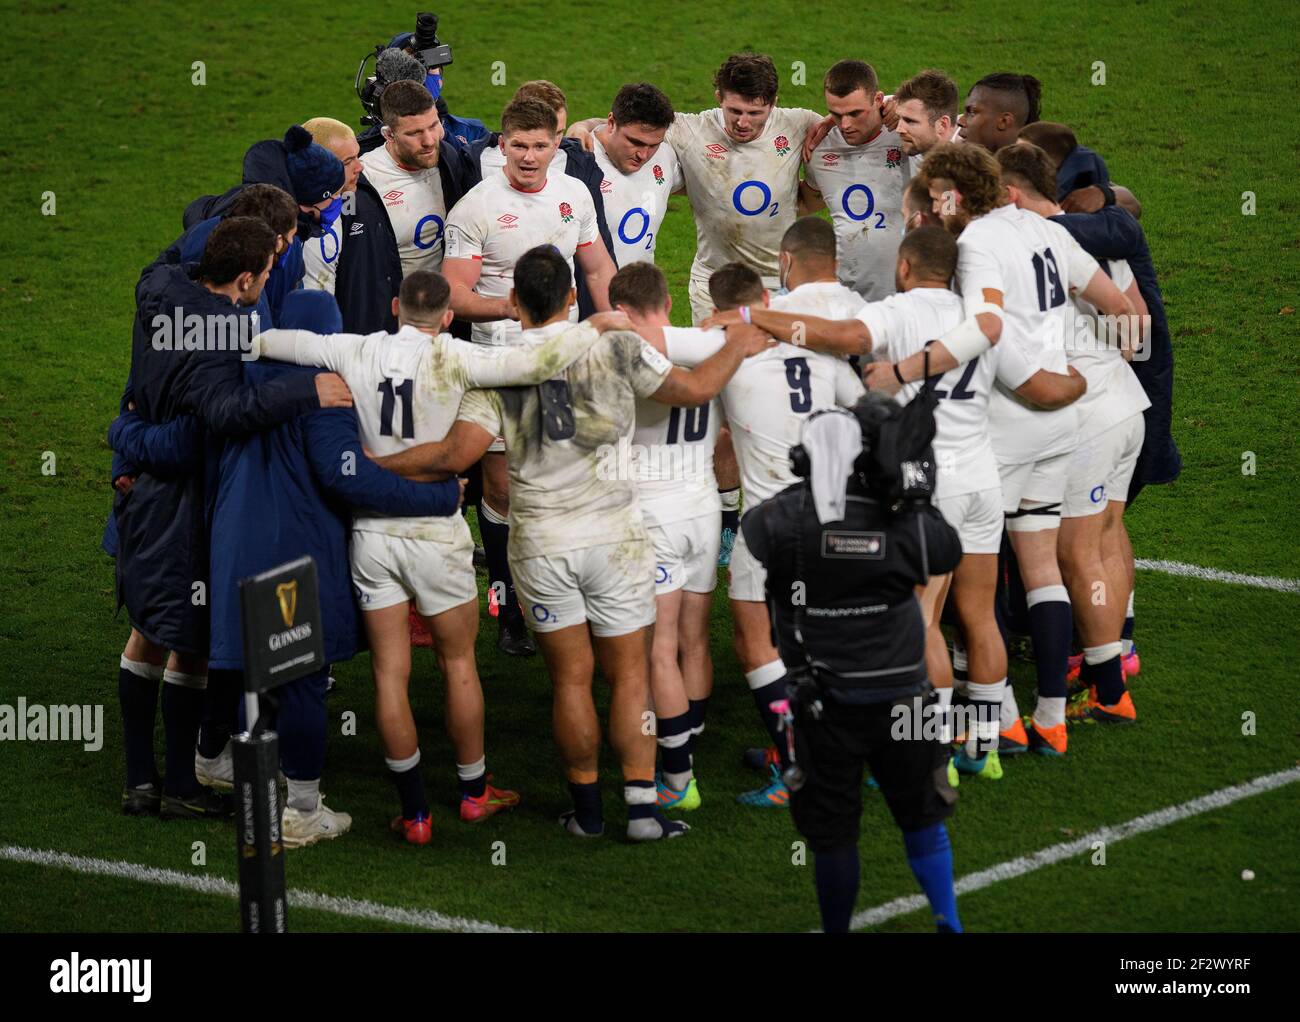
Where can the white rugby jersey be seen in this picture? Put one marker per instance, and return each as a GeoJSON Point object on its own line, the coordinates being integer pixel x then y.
{"type": "Point", "coordinates": [863, 187]}
{"type": "Point", "coordinates": [900, 326]}
{"type": "Point", "coordinates": [672, 448]}
{"type": "Point", "coordinates": [1114, 391]}
{"type": "Point", "coordinates": [493, 161]}
{"type": "Point", "coordinates": [407, 387]}
{"type": "Point", "coordinates": [773, 393]}
{"type": "Point", "coordinates": [320, 258]}
{"type": "Point", "coordinates": [415, 206]}
{"type": "Point", "coordinates": [744, 195]}
{"type": "Point", "coordinates": [635, 203]}
{"type": "Point", "coordinates": [496, 223]}
{"type": "Point", "coordinates": [1034, 263]}
{"type": "Point", "coordinates": [566, 441]}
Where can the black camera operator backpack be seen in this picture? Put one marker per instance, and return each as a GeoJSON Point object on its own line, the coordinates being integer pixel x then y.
{"type": "Point", "coordinates": [897, 462]}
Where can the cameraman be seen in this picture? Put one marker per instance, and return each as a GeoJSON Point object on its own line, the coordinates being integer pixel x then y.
{"type": "Point", "coordinates": [845, 549]}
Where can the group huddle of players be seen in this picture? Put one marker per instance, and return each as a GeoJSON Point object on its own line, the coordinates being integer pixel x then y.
{"type": "Point", "coordinates": [611, 448]}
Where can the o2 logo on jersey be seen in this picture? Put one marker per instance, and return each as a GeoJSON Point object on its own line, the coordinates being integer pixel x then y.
{"type": "Point", "coordinates": [418, 237]}
{"type": "Point", "coordinates": [542, 614]}
{"type": "Point", "coordinates": [849, 211]}
{"type": "Point", "coordinates": [645, 232]}
{"type": "Point", "coordinates": [768, 206]}
{"type": "Point", "coordinates": [662, 575]}
{"type": "Point", "coordinates": [1098, 494]}
{"type": "Point", "coordinates": [325, 252]}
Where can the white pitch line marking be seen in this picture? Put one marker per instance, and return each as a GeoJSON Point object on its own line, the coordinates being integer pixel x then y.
{"type": "Point", "coordinates": [351, 907]}
{"type": "Point", "coordinates": [1281, 585]}
{"type": "Point", "coordinates": [1068, 850]}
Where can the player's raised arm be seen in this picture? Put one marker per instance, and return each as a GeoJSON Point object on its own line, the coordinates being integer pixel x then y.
{"type": "Point", "coordinates": [584, 129]}
{"type": "Point", "coordinates": [527, 365]}
{"type": "Point", "coordinates": [304, 348]}
{"type": "Point", "coordinates": [688, 388]}
{"type": "Point", "coordinates": [837, 336]}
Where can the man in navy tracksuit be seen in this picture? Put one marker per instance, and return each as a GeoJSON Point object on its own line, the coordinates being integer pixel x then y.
{"type": "Point", "coordinates": [281, 494]}
{"type": "Point", "coordinates": [162, 517]}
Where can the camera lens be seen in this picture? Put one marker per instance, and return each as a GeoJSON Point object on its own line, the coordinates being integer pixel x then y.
{"type": "Point", "coordinates": [426, 31]}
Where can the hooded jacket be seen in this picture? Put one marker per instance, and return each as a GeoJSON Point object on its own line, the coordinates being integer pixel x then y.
{"type": "Point", "coordinates": [162, 522]}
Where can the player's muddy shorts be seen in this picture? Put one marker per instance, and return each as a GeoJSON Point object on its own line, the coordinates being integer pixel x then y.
{"type": "Point", "coordinates": [612, 586]}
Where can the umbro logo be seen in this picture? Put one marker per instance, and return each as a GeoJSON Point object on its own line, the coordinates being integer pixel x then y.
{"type": "Point", "coordinates": [507, 220]}
{"type": "Point", "coordinates": [831, 157]}
{"type": "Point", "coordinates": [357, 228]}
{"type": "Point", "coordinates": [716, 151]}
{"type": "Point", "coordinates": [606, 186]}
{"type": "Point", "coordinates": [393, 196]}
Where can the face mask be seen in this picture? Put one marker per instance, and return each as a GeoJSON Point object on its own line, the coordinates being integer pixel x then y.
{"type": "Point", "coordinates": [331, 212]}
{"type": "Point", "coordinates": [433, 83]}
{"type": "Point", "coordinates": [284, 256]}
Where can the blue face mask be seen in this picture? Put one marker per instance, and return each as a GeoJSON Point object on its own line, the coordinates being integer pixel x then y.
{"type": "Point", "coordinates": [331, 212]}
{"type": "Point", "coordinates": [284, 256]}
{"type": "Point", "coordinates": [433, 83]}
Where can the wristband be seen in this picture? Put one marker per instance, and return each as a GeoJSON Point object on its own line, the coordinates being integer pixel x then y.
{"type": "Point", "coordinates": [899, 376]}
{"type": "Point", "coordinates": [744, 314]}
{"type": "Point", "coordinates": [966, 340]}
{"type": "Point", "coordinates": [1108, 193]}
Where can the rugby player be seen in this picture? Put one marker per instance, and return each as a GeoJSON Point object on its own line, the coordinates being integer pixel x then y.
{"type": "Point", "coordinates": [997, 107]}
{"type": "Point", "coordinates": [679, 501]}
{"type": "Point", "coordinates": [927, 113]}
{"type": "Point", "coordinates": [858, 171]}
{"type": "Point", "coordinates": [506, 214]}
{"type": "Point", "coordinates": [1111, 430]}
{"type": "Point", "coordinates": [409, 386]}
{"type": "Point", "coordinates": [640, 171]}
{"type": "Point", "coordinates": [1015, 265]}
{"type": "Point", "coordinates": [579, 550]}
{"type": "Point", "coordinates": [406, 171]}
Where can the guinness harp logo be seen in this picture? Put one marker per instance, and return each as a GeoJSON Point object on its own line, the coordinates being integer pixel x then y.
{"type": "Point", "coordinates": [287, 594]}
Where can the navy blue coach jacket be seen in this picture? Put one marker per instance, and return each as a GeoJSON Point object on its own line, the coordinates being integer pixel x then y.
{"type": "Point", "coordinates": [1112, 233]}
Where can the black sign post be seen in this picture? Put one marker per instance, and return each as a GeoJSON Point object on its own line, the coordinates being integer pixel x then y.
{"type": "Point", "coordinates": [280, 612]}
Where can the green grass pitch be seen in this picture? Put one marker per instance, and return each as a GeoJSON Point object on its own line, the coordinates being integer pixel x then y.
{"type": "Point", "coordinates": [1197, 109]}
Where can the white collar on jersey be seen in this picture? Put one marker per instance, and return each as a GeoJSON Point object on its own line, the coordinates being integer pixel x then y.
{"type": "Point", "coordinates": [537, 334]}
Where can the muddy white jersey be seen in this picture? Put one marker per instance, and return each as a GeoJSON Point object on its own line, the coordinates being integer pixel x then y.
{"type": "Point", "coordinates": [672, 448]}
{"type": "Point", "coordinates": [496, 223]}
{"type": "Point", "coordinates": [1114, 391]}
{"type": "Point", "coordinates": [415, 206]}
{"type": "Point", "coordinates": [407, 387]}
{"type": "Point", "coordinates": [564, 441]}
{"type": "Point", "coordinates": [635, 203]}
{"type": "Point", "coordinates": [863, 187]}
{"type": "Point", "coordinates": [900, 326]}
{"type": "Point", "coordinates": [744, 194]}
{"type": "Point", "coordinates": [1034, 263]}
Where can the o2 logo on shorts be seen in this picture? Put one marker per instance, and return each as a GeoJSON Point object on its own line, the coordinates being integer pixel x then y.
{"type": "Point", "coordinates": [542, 614]}
{"type": "Point", "coordinates": [1098, 494]}
{"type": "Point", "coordinates": [662, 575]}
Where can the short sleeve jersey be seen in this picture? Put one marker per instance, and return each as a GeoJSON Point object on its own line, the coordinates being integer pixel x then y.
{"type": "Point", "coordinates": [1114, 391]}
{"type": "Point", "coordinates": [863, 187]}
{"type": "Point", "coordinates": [900, 326]}
{"type": "Point", "coordinates": [635, 203]}
{"type": "Point", "coordinates": [1034, 263]}
{"type": "Point", "coordinates": [497, 223]}
{"type": "Point", "coordinates": [564, 440]}
{"type": "Point", "coordinates": [744, 194]}
{"type": "Point", "coordinates": [415, 206]}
